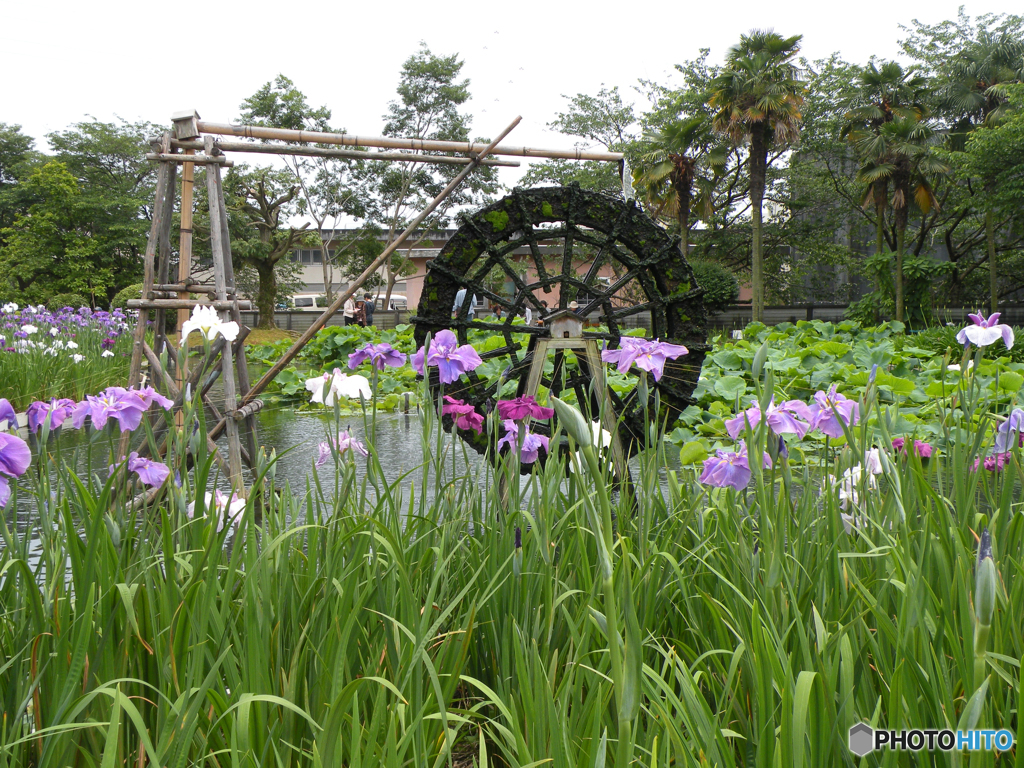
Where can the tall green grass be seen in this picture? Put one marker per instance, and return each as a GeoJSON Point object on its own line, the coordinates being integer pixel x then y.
{"type": "Point", "coordinates": [365, 624]}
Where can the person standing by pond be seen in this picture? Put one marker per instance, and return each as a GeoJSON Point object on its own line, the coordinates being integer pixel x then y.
{"type": "Point", "coordinates": [460, 298]}
{"type": "Point", "coordinates": [348, 312]}
{"type": "Point", "coordinates": [368, 307]}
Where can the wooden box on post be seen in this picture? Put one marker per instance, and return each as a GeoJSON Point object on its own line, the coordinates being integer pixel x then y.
{"type": "Point", "coordinates": [186, 124]}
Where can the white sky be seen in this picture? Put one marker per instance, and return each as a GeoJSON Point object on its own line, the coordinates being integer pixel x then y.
{"type": "Point", "coordinates": [62, 60]}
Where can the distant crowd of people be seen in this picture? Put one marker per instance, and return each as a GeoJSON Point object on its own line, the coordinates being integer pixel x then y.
{"type": "Point", "coordinates": [359, 312]}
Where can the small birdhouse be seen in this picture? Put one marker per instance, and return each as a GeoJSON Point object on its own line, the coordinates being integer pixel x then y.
{"type": "Point", "coordinates": [564, 324]}
{"type": "Point", "coordinates": [186, 124]}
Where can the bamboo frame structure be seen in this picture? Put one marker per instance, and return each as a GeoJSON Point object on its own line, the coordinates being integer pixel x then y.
{"type": "Point", "coordinates": [193, 143]}
{"type": "Point", "coordinates": [387, 142]}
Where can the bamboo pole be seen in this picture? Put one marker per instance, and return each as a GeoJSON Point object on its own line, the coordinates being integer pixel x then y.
{"type": "Point", "coordinates": [321, 321]}
{"type": "Point", "coordinates": [355, 154]}
{"type": "Point", "coordinates": [425, 145]}
{"type": "Point", "coordinates": [184, 264]}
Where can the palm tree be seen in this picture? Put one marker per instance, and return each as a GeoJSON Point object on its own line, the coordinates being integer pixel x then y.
{"type": "Point", "coordinates": [669, 170]}
{"type": "Point", "coordinates": [884, 93]}
{"type": "Point", "coordinates": [900, 153]}
{"type": "Point", "coordinates": [758, 97]}
{"type": "Point", "coordinates": [976, 94]}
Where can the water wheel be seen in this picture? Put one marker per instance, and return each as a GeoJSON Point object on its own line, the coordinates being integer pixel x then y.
{"type": "Point", "coordinates": [569, 248]}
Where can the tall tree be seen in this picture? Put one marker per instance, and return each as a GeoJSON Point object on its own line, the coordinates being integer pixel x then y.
{"type": "Point", "coordinates": [883, 94]}
{"type": "Point", "coordinates": [431, 92]}
{"type": "Point", "coordinates": [16, 162]}
{"type": "Point", "coordinates": [329, 189]}
{"type": "Point", "coordinates": [900, 154]}
{"type": "Point", "coordinates": [670, 167]}
{"type": "Point", "coordinates": [603, 120]}
{"type": "Point", "coordinates": [758, 97]}
{"type": "Point", "coordinates": [975, 94]}
{"type": "Point", "coordinates": [259, 201]}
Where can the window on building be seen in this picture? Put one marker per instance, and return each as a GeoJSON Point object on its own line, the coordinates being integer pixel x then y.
{"type": "Point", "coordinates": [306, 257]}
{"type": "Point", "coordinates": [318, 257]}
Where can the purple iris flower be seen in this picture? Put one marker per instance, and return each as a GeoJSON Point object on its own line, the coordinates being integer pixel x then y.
{"type": "Point", "coordinates": [532, 443]}
{"type": "Point", "coordinates": [146, 396]}
{"type": "Point", "coordinates": [380, 355]}
{"type": "Point", "coordinates": [994, 463]}
{"type": "Point", "coordinates": [465, 415]}
{"type": "Point", "coordinates": [649, 356]}
{"type": "Point", "coordinates": [113, 402]}
{"type": "Point", "coordinates": [7, 413]}
{"type": "Point", "coordinates": [729, 469]}
{"type": "Point", "coordinates": [345, 442]}
{"type": "Point", "coordinates": [150, 472]}
{"type": "Point", "coordinates": [831, 407]}
{"type": "Point", "coordinates": [1009, 431]}
{"type": "Point", "coordinates": [15, 457]}
{"type": "Point", "coordinates": [985, 331]}
{"type": "Point", "coordinates": [781, 419]}
{"type": "Point", "coordinates": [416, 361]}
{"type": "Point", "coordinates": [920, 448]}
{"type": "Point", "coordinates": [448, 357]}
{"type": "Point", "coordinates": [521, 407]}
{"type": "Point", "coordinates": [57, 410]}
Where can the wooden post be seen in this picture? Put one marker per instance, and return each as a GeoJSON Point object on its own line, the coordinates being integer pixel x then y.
{"type": "Point", "coordinates": [163, 188]}
{"type": "Point", "coordinates": [163, 264]}
{"type": "Point", "coordinates": [221, 256]}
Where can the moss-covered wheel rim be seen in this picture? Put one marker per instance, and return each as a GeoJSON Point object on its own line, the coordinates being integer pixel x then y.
{"type": "Point", "coordinates": [614, 232]}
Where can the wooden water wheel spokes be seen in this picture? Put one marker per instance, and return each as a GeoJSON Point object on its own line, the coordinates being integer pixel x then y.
{"type": "Point", "coordinates": [598, 256]}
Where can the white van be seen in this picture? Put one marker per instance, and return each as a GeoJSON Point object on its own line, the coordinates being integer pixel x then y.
{"type": "Point", "coordinates": [309, 302]}
{"type": "Point", "coordinates": [398, 302]}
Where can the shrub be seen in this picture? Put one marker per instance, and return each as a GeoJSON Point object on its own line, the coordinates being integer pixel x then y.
{"type": "Point", "coordinates": [120, 300]}
{"type": "Point", "coordinates": [73, 300]}
{"type": "Point", "coordinates": [721, 288]}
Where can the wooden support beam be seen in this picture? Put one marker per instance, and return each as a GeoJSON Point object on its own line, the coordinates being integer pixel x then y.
{"type": "Point", "coordinates": [353, 154]}
{"type": "Point", "coordinates": [184, 304]}
{"type": "Point", "coordinates": [424, 145]}
{"type": "Point", "coordinates": [196, 159]}
{"type": "Point", "coordinates": [248, 410]}
{"type": "Point", "coordinates": [184, 288]}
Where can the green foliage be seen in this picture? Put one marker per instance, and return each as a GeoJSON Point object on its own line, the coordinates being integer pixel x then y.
{"type": "Point", "coordinates": [921, 276]}
{"type": "Point", "coordinates": [120, 300]}
{"type": "Point", "coordinates": [61, 300]}
{"type": "Point", "coordinates": [721, 289]}
{"type": "Point", "coordinates": [353, 622]}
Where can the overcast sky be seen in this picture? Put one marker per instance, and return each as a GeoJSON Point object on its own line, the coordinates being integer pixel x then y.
{"type": "Point", "coordinates": [61, 60]}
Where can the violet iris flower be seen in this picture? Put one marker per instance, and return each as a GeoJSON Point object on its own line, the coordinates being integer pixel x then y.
{"type": "Point", "coordinates": [57, 410]}
{"type": "Point", "coordinates": [15, 457]}
{"type": "Point", "coordinates": [379, 355]}
{"type": "Point", "coordinates": [831, 407]}
{"type": "Point", "coordinates": [146, 397]}
{"type": "Point", "coordinates": [1009, 431]}
{"type": "Point", "coordinates": [994, 463]}
{"type": "Point", "coordinates": [150, 472]}
{"type": "Point", "coordinates": [465, 415]}
{"type": "Point", "coordinates": [449, 358]}
{"type": "Point", "coordinates": [649, 356]}
{"type": "Point", "coordinates": [416, 360]}
{"type": "Point", "coordinates": [7, 413]}
{"type": "Point", "coordinates": [521, 407]}
{"type": "Point", "coordinates": [920, 448]}
{"type": "Point", "coordinates": [532, 443]}
{"type": "Point", "coordinates": [345, 443]}
{"type": "Point", "coordinates": [111, 403]}
{"type": "Point", "coordinates": [729, 469]}
{"type": "Point", "coordinates": [781, 419]}
{"type": "Point", "coordinates": [985, 331]}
